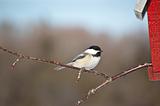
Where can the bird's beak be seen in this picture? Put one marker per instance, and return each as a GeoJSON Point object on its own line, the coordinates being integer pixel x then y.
{"type": "Point", "coordinates": [101, 51]}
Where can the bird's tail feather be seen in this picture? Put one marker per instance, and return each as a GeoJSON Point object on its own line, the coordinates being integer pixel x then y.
{"type": "Point", "coordinates": [61, 68]}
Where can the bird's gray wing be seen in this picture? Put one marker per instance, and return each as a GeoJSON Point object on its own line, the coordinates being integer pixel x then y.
{"type": "Point", "coordinates": [80, 56]}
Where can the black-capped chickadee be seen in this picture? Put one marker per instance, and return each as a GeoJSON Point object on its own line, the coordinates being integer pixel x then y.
{"type": "Point", "coordinates": [89, 59]}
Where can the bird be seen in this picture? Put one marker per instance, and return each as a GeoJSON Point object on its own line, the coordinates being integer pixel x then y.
{"type": "Point", "coordinates": [87, 60]}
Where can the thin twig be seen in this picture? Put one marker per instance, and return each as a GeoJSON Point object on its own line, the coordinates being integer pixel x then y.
{"type": "Point", "coordinates": [79, 74]}
{"type": "Point", "coordinates": [16, 61]}
{"type": "Point", "coordinates": [109, 80]}
{"type": "Point", "coordinates": [22, 56]}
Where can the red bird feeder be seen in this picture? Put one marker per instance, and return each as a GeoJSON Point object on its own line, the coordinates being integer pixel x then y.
{"type": "Point", "coordinates": [153, 9]}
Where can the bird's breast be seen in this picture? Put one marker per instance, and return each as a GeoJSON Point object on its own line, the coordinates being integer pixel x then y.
{"type": "Point", "coordinates": [88, 62]}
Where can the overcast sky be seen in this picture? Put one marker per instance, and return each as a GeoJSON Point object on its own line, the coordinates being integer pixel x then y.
{"type": "Point", "coordinates": [113, 15]}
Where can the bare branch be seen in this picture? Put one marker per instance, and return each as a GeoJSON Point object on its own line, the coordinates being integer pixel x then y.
{"type": "Point", "coordinates": [90, 92]}
{"type": "Point", "coordinates": [109, 80]}
{"type": "Point", "coordinates": [22, 56]}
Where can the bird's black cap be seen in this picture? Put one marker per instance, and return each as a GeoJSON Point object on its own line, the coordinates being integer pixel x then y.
{"type": "Point", "coordinates": [95, 48]}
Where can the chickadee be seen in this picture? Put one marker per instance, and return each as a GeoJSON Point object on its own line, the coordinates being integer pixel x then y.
{"type": "Point", "coordinates": [88, 60]}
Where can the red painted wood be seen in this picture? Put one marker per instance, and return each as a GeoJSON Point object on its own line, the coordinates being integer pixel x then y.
{"type": "Point", "coordinates": [154, 36]}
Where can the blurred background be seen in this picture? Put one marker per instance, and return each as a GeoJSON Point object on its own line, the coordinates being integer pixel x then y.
{"type": "Point", "coordinates": [61, 29]}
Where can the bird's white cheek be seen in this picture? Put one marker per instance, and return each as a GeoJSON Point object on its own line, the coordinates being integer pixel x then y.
{"type": "Point", "coordinates": [91, 51]}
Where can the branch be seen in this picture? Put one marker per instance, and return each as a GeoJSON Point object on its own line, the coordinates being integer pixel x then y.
{"type": "Point", "coordinates": [90, 92]}
{"type": "Point", "coordinates": [109, 80]}
{"type": "Point", "coordinates": [21, 56]}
